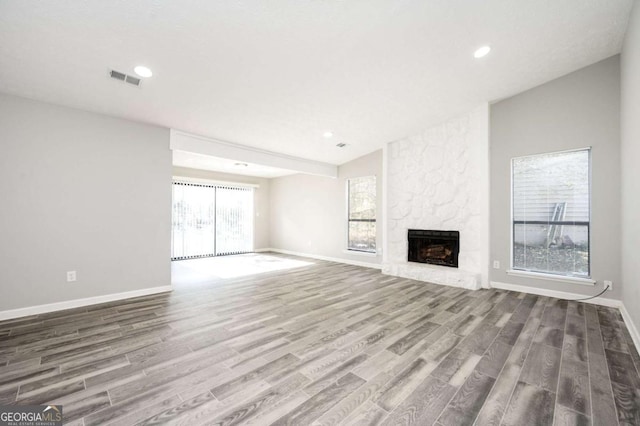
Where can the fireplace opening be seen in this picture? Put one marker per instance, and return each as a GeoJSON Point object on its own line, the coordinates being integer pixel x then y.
{"type": "Point", "coordinates": [434, 247]}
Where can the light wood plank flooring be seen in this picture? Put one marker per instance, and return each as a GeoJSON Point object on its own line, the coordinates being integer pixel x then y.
{"type": "Point", "coordinates": [326, 344]}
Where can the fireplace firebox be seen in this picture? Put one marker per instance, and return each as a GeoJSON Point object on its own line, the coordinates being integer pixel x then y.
{"type": "Point", "coordinates": [434, 247]}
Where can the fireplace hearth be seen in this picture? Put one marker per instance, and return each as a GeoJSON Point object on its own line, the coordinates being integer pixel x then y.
{"type": "Point", "coordinates": [434, 247]}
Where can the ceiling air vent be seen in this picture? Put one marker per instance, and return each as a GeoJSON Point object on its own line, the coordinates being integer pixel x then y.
{"type": "Point", "coordinates": [117, 75]}
{"type": "Point", "coordinates": [341, 145]}
{"type": "Point", "coordinates": [133, 80]}
{"type": "Point", "coordinates": [125, 78]}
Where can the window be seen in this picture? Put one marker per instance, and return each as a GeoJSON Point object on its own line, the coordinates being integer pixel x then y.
{"type": "Point", "coordinates": [361, 196]}
{"type": "Point", "coordinates": [551, 211]}
{"type": "Point", "coordinates": [211, 220]}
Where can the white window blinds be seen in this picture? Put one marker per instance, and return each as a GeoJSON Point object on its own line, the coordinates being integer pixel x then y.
{"type": "Point", "coordinates": [234, 220]}
{"type": "Point", "coordinates": [361, 198]}
{"type": "Point", "coordinates": [551, 213]}
{"type": "Point", "coordinates": [211, 220]}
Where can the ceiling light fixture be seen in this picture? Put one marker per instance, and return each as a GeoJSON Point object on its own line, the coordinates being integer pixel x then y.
{"type": "Point", "coordinates": [143, 71]}
{"type": "Point", "coordinates": [327, 135]}
{"type": "Point", "coordinates": [482, 52]}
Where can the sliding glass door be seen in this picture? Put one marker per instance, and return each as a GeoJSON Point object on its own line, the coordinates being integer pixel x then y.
{"type": "Point", "coordinates": [194, 220]}
{"type": "Point", "coordinates": [234, 220]}
{"type": "Point", "coordinates": [210, 220]}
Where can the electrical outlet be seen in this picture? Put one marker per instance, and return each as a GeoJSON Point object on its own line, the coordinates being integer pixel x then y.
{"type": "Point", "coordinates": [608, 283]}
{"type": "Point", "coordinates": [71, 276]}
{"type": "Point", "coordinates": [496, 264]}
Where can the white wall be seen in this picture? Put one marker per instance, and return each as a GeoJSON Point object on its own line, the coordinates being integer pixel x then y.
{"type": "Point", "coordinates": [85, 192]}
{"type": "Point", "coordinates": [439, 180]}
{"type": "Point", "coordinates": [578, 110]}
{"type": "Point", "coordinates": [261, 206]}
{"type": "Point", "coordinates": [630, 153]}
{"type": "Point", "coordinates": [309, 213]}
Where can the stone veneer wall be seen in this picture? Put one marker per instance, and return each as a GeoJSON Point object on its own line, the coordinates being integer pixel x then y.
{"type": "Point", "coordinates": [439, 179]}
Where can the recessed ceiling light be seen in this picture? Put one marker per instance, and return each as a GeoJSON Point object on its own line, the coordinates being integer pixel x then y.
{"type": "Point", "coordinates": [483, 51]}
{"type": "Point", "coordinates": [327, 135]}
{"type": "Point", "coordinates": [143, 71]}
{"type": "Point", "coordinates": [241, 165]}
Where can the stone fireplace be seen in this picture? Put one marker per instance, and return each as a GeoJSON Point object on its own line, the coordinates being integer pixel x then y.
{"type": "Point", "coordinates": [433, 247]}
{"type": "Point", "coordinates": [437, 188]}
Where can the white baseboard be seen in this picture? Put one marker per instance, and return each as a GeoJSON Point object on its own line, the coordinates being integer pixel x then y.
{"type": "Point", "coordinates": [630, 326]}
{"type": "Point", "coordinates": [319, 257]}
{"type": "Point", "coordinates": [79, 303]}
{"type": "Point", "coordinates": [603, 301]}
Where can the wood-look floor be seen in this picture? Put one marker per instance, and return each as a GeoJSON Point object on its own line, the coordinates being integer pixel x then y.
{"type": "Point", "coordinates": [326, 344]}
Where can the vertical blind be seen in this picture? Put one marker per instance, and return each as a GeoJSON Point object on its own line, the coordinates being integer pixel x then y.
{"type": "Point", "coordinates": [211, 220]}
{"type": "Point", "coordinates": [234, 220]}
{"type": "Point", "coordinates": [193, 221]}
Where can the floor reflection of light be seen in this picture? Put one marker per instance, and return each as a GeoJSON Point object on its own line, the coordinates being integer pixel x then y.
{"type": "Point", "coordinates": [234, 266]}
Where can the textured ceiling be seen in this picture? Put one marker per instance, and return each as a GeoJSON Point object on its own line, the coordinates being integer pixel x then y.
{"type": "Point", "coordinates": [277, 74]}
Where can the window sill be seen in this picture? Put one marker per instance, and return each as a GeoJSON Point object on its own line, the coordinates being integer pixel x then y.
{"type": "Point", "coordinates": [360, 253]}
{"type": "Point", "coordinates": [551, 277]}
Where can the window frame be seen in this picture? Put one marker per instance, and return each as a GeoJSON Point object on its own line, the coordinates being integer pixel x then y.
{"type": "Point", "coordinates": [349, 220]}
{"type": "Point", "coordinates": [548, 275]}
